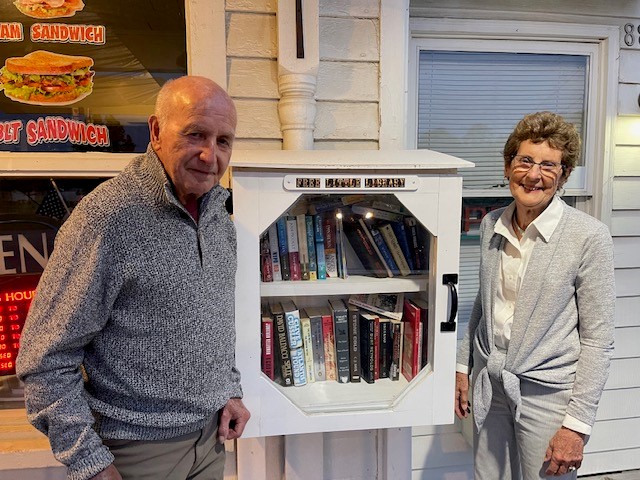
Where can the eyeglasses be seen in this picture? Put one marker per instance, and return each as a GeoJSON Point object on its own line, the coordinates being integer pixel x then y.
{"type": "Point", "coordinates": [524, 163]}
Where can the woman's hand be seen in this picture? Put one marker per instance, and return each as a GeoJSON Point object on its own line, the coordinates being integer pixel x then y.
{"type": "Point", "coordinates": [461, 405]}
{"type": "Point", "coordinates": [564, 453]}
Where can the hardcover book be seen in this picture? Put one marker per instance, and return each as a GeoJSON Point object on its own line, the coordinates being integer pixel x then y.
{"type": "Point", "coordinates": [292, 244]}
{"type": "Point", "coordinates": [367, 347]}
{"type": "Point", "coordinates": [386, 304]}
{"type": "Point", "coordinates": [385, 250]}
{"type": "Point", "coordinates": [397, 333]}
{"type": "Point", "coordinates": [283, 248]}
{"type": "Point", "coordinates": [394, 246]}
{"type": "Point", "coordinates": [341, 331]}
{"type": "Point", "coordinates": [353, 314]}
{"type": "Point", "coordinates": [265, 259]}
{"type": "Point", "coordinates": [367, 231]}
{"type": "Point", "coordinates": [267, 358]}
{"type": "Point", "coordinates": [401, 236]}
{"type": "Point", "coordinates": [424, 323]}
{"type": "Point", "coordinates": [274, 249]}
{"type": "Point", "coordinates": [419, 251]}
{"type": "Point", "coordinates": [386, 347]}
{"type": "Point", "coordinates": [412, 333]}
{"type": "Point", "coordinates": [358, 238]}
{"type": "Point", "coordinates": [330, 367]}
{"type": "Point", "coordinates": [311, 247]}
{"type": "Point", "coordinates": [283, 370]}
{"type": "Point", "coordinates": [303, 249]}
{"type": "Point", "coordinates": [320, 248]}
{"type": "Point", "coordinates": [330, 252]}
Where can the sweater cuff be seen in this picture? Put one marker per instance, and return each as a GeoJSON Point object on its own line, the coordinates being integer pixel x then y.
{"type": "Point", "coordinates": [576, 425]}
{"type": "Point", "coordinates": [461, 368]}
{"type": "Point", "coordinates": [91, 465]}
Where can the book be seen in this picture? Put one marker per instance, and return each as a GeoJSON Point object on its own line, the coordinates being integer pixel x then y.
{"type": "Point", "coordinates": [283, 369]}
{"type": "Point", "coordinates": [330, 252]}
{"type": "Point", "coordinates": [294, 331]}
{"type": "Point", "coordinates": [367, 347]}
{"type": "Point", "coordinates": [411, 341]}
{"type": "Point", "coordinates": [340, 247]}
{"type": "Point", "coordinates": [401, 236]}
{"type": "Point", "coordinates": [274, 249]}
{"type": "Point", "coordinates": [292, 244]}
{"type": "Point", "coordinates": [341, 333]}
{"type": "Point", "coordinates": [311, 247]}
{"type": "Point", "coordinates": [397, 333]}
{"type": "Point", "coordinates": [424, 324]}
{"type": "Point", "coordinates": [298, 367]}
{"type": "Point", "coordinates": [303, 250]}
{"type": "Point", "coordinates": [319, 241]}
{"type": "Point", "coordinates": [386, 347]}
{"type": "Point", "coordinates": [265, 259]}
{"type": "Point", "coordinates": [367, 231]}
{"type": "Point", "coordinates": [330, 368]}
{"type": "Point", "coordinates": [368, 211]}
{"type": "Point", "coordinates": [307, 345]}
{"type": "Point", "coordinates": [376, 346]}
{"type": "Point", "coordinates": [283, 249]}
{"type": "Point", "coordinates": [394, 247]}
{"type": "Point", "coordinates": [317, 338]}
{"type": "Point", "coordinates": [353, 314]}
{"type": "Point", "coordinates": [385, 250]}
{"type": "Point", "coordinates": [387, 304]}
{"type": "Point", "coordinates": [358, 238]}
{"type": "Point", "coordinates": [266, 340]}
{"type": "Point", "coordinates": [419, 251]}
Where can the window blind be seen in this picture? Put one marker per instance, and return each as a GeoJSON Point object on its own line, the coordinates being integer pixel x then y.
{"type": "Point", "coordinates": [469, 102]}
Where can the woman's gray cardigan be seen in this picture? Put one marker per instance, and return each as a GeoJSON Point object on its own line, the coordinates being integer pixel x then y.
{"type": "Point", "coordinates": [562, 334]}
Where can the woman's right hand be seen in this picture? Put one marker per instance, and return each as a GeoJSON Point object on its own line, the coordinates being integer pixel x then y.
{"type": "Point", "coordinates": [462, 405]}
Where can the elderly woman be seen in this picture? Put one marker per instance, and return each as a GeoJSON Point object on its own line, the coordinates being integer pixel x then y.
{"type": "Point", "coordinates": [540, 336]}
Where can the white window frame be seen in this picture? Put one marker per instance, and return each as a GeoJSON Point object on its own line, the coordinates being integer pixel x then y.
{"type": "Point", "coordinates": [602, 42]}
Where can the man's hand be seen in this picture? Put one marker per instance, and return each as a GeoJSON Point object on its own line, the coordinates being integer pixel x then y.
{"type": "Point", "coordinates": [461, 405]}
{"type": "Point", "coordinates": [564, 453]}
{"type": "Point", "coordinates": [109, 473]}
{"type": "Point", "coordinates": [232, 420]}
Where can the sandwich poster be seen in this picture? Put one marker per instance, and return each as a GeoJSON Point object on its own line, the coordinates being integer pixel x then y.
{"type": "Point", "coordinates": [83, 75]}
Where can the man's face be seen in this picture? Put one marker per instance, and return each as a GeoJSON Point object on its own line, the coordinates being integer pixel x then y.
{"type": "Point", "coordinates": [194, 143]}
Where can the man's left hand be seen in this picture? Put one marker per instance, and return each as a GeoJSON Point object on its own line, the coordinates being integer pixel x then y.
{"type": "Point", "coordinates": [233, 418]}
{"type": "Point", "coordinates": [564, 453]}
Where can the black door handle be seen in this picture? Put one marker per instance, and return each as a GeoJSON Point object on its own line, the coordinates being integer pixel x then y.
{"type": "Point", "coordinates": [451, 280]}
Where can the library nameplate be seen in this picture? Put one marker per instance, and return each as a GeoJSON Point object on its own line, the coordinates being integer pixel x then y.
{"type": "Point", "coordinates": [353, 183]}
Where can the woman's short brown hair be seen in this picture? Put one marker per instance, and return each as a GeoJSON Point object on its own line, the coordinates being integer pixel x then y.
{"type": "Point", "coordinates": [546, 126]}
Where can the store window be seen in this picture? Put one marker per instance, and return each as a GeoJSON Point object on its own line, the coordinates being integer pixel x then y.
{"type": "Point", "coordinates": [84, 76]}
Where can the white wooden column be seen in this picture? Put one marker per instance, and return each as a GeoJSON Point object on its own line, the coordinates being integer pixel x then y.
{"type": "Point", "coordinates": [297, 73]}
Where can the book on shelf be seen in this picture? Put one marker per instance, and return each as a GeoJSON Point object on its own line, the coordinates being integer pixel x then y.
{"type": "Point", "coordinates": [359, 239]}
{"type": "Point", "coordinates": [411, 341]}
{"type": "Point", "coordinates": [329, 341]}
{"type": "Point", "coordinates": [274, 250]}
{"type": "Point", "coordinates": [317, 338]}
{"type": "Point", "coordinates": [367, 230]}
{"type": "Point", "coordinates": [387, 304]}
{"type": "Point", "coordinates": [303, 249]}
{"type": "Point", "coordinates": [353, 314]}
{"type": "Point", "coordinates": [397, 333]}
{"type": "Point", "coordinates": [418, 244]}
{"type": "Point", "coordinates": [298, 367]}
{"type": "Point", "coordinates": [384, 249]}
{"type": "Point", "coordinates": [386, 347]}
{"type": "Point", "coordinates": [283, 248]}
{"type": "Point", "coordinates": [341, 333]}
{"type": "Point", "coordinates": [424, 323]}
{"type": "Point", "coordinates": [292, 316]}
{"type": "Point", "coordinates": [319, 242]}
{"type": "Point", "coordinates": [367, 347]}
{"type": "Point", "coordinates": [265, 259]}
{"type": "Point", "coordinates": [292, 244]}
{"type": "Point", "coordinates": [376, 213]}
{"type": "Point", "coordinates": [376, 347]}
{"type": "Point", "coordinates": [341, 247]}
{"type": "Point", "coordinates": [311, 247]}
{"type": "Point", "coordinates": [330, 252]}
{"type": "Point", "coordinates": [396, 252]}
{"type": "Point", "coordinates": [401, 236]}
{"type": "Point", "coordinates": [266, 340]}
{"type": "Point", "coordinates": [283, 369]}
{"type": "Point", "coordinates": [307, 345]}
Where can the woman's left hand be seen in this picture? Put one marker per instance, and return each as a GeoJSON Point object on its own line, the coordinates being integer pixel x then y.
{"type": "Point", "coordinates": [564, 453]}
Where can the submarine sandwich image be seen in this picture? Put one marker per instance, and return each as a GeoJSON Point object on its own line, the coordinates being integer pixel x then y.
{"type": "Point", "coordinates": [47, 78]}
{"type": "Point", "coordinates": [49, 8]}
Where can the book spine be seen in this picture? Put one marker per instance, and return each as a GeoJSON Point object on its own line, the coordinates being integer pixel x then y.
{"type": "Point", "coordinates": [414, 244]}
{"type": "Point", "coordinates": [394, 247]}
{"type": "Point", "coordinates": [401, 235]}
{"type": "Point", "coordinates": [307, 346]}
{"type": "Point", "coordinates": [283, 249]}
{"type": "Point", "coordinates": [294, 332]}
{"type": "Point", "coordinates": [396, 351]}
{"type": "Point", "coordinates": [285, 373]}
{"type": "Point", "coordinates": [376, 348]}
{"type": "Point", "coordinates": [330, 253]}
{"type": "Point", "coordinates": [366, 349]}
{"type": "Point", "coordinates": [385, 348]}
{"type": "Point", "coordinates": [367, 232]}
{"type": "Point", "coordinates": [303, 249]}
{"type": "Point", "coordinates": [275, 253]}
{"type": "Point", "coordinates": [377, 213]}
{"type": "Point", "coordinates": [340, 248]}
{"type": "Point", "coordinates": [373, 308]}
{"type": "Point", "coordinates": [363, 248]}
{"type": "Point", "coordinates": [319, 242]}
{"type": "Point", "coordinates": [318, 349]}
{"type": "Point", "coordinates": [385, 251]}
{"type": "Point", "coordinates": [265, 260]}
{"type": "Point", "coordinates": [329, 348]}
{"type": "Point", "coordinates": [311, 247]}
{"type": "Point", "coordinates": [292, 244]}
{"type": "Point", "coordinates": [267, 349]}
{"type": "Point", "coordinates": [341, 324]}
{"type": "Point", "coordinates": [354, 343]}
{"type": "Point", "coordinates": [298, 367]}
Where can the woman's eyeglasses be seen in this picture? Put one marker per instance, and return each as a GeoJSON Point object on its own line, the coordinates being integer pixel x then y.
{"type": "Point", "coordinates": [524, 163]}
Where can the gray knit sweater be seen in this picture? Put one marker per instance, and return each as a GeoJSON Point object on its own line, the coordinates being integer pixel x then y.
{"type": "Point", "coordinates": [142, 298]}
{"type": "Point", "coordinates": [562, 333]}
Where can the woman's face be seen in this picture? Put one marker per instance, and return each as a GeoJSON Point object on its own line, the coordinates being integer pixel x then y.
{"type": "Point", "coordinates": [533, 188]}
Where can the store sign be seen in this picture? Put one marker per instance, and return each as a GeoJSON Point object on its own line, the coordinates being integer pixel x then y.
{"type": "Point", "coordinates": [77, 77]}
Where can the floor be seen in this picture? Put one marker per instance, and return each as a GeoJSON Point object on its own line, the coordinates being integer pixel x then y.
{"type": "Point", "coordinates": [629, 475]}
